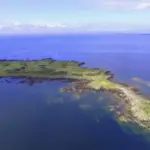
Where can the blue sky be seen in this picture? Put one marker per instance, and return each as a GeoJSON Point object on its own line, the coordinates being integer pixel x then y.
{"type": "Point", "coordinates": [48, 16]}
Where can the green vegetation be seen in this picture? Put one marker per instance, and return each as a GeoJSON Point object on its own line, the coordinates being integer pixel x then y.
{"type": "Point", "coordinates": [49, 68]}
{"type": "Point", "coordinates": [138, 107]}
{"type": "Point", "coordinates": [106, 84]}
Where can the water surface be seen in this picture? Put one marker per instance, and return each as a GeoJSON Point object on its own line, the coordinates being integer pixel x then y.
{"type": "Point", "coordinates": [40, 117]}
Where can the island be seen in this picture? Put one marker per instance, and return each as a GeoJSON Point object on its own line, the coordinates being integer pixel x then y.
{"type": "Point", "coordinates": [136, 111]}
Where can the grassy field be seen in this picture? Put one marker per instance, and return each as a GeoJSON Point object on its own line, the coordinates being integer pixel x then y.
{"type": "Point", "coordinates": [97, 79]}
{"type": "Point", "coordinates": [49, 68]}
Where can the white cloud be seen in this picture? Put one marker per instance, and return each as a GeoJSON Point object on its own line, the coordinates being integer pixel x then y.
{"type": "Point", "coordinates": [52, 28]}
{"type": "Point", "coordinates": [1, 27]}
{"type": "Point", "coordinates": [118, 4]}
{"type": "Point", "coordinates": [18, 27]}
{"type": "Point", "coordinates": [49, 25]}
{"type": "Point", "coordinates": [143, 5]}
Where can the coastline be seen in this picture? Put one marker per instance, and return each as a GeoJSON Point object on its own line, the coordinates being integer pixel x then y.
{"type": "Point", "coordinates": [83, 79]}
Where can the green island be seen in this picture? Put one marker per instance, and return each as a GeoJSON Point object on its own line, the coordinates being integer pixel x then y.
{"type": "Point", "coordinates": [136, 112]}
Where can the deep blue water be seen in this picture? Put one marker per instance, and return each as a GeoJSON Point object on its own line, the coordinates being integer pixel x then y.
{"type": "Point", "coordinates": [40, 117]}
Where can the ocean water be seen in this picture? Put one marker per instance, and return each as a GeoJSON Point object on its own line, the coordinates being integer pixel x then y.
{"type": "Point", "coordinates": [41, 117]}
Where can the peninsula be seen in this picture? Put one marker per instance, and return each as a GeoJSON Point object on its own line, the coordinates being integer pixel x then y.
{"type": "Point", "coordinates": [84, 79]}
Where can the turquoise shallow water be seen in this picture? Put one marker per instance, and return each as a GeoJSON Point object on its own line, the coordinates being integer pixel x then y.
{"type": "Point", "coordinates": [40, 117]}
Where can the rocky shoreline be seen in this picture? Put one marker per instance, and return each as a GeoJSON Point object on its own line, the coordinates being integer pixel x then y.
{"type": "Point", "coordinates": [82, 79]}
{"type": "Point", "coordinates": [131, 97]}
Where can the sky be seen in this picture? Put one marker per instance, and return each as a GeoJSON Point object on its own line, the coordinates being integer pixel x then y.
{"type": "Point", "coordinates": [73, 16]}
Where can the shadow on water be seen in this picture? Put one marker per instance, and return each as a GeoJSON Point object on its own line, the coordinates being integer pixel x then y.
{"type": "Point", "coordinates": [30, 122]}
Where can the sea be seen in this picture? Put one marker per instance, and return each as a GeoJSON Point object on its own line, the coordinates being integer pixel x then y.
{"type": "Point", "coordinates": [40, 117]}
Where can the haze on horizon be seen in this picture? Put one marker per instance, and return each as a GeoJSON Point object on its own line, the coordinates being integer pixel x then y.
{"type": "Point", "coordinates": [74, 16]}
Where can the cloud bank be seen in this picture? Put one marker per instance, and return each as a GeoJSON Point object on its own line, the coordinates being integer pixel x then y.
{"type": "Point", "coordinates": [91, 12]}
{"type": "Point", "coordinates": [119, 4]}
{"type": "Point", "coordinates": [143, 6]}
{"type": "Point", "coordinates": [31, 28]}
{"type": "Point", "coordinates": [17, 28]}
